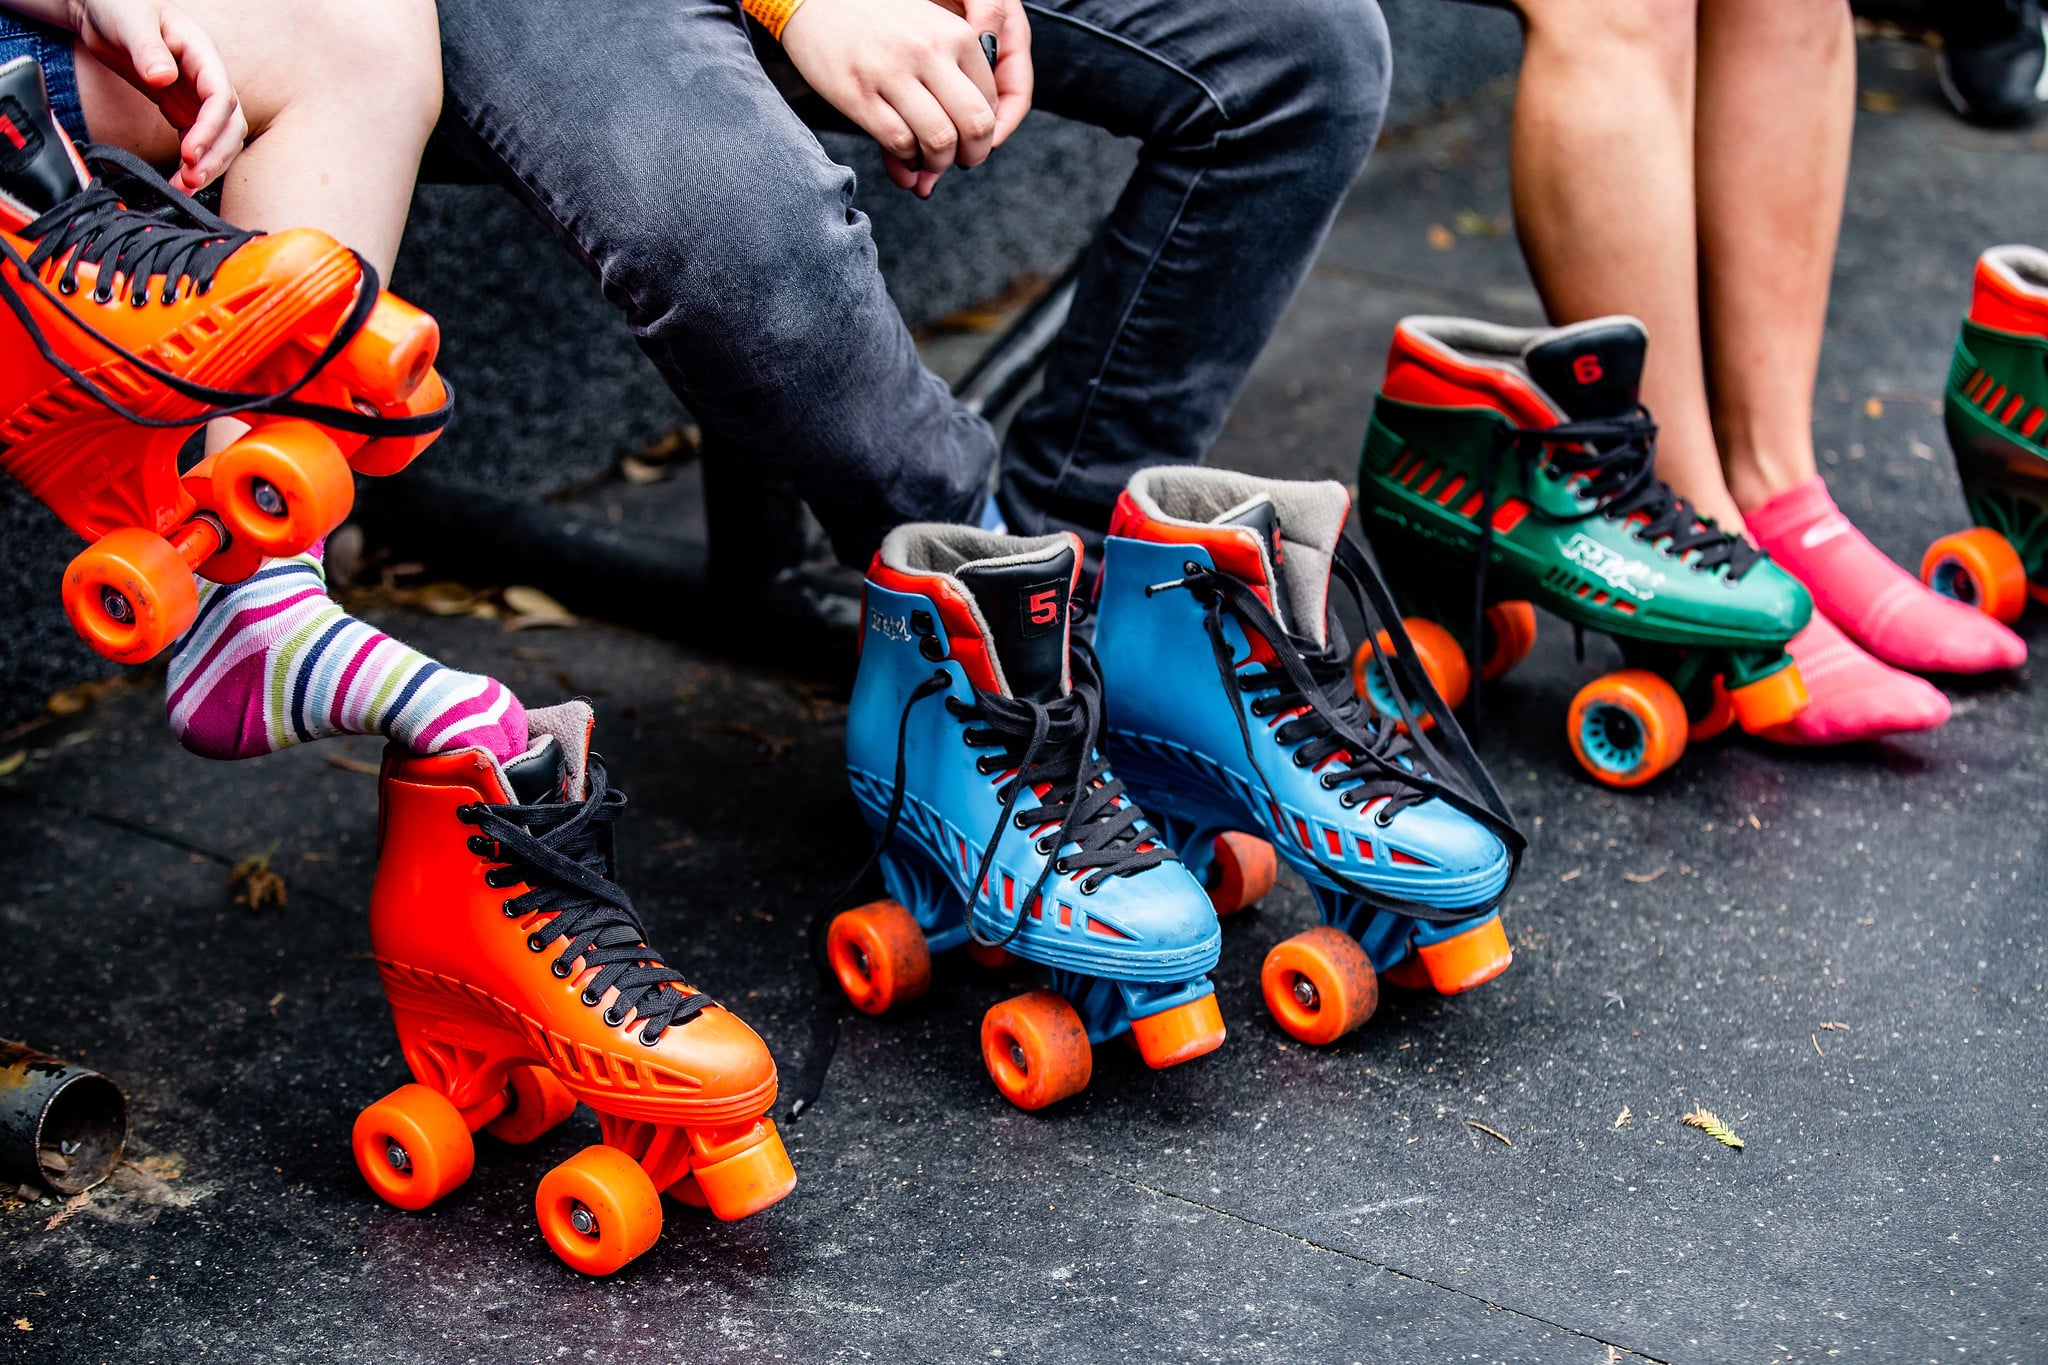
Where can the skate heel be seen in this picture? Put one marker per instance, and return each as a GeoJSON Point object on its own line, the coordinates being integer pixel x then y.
{"type": "Point", "coordinates": [740, 1170]}
{"type": "Point", "coordinates": [1466, 959]}
{"type": "Point", "coordinates": [1771, 700]}
{"type": "Point", "coordinates": [391, 356]}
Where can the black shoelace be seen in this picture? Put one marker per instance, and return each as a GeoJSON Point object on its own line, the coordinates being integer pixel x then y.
{"type": "Point", "coordinates": [1616, 459]}
{"type": "Point", "coordinates": [154, 232]}
{"type": "Point", "coordinates": [563, 852]}
{"type": "Point", "coordinates": [1051, 745]}
{"type": "Point", "coordinates": [1378, 760]}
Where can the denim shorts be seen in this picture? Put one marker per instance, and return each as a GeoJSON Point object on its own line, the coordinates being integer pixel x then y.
{"type": "Point", "coordinates": [52, 47]}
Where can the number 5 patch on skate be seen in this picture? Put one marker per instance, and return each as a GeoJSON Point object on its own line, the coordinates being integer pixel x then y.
{"type": "Point", "coordinates": [1041, 607]}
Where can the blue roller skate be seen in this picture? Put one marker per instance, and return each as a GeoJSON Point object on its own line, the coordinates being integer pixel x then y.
{"type": "Point", "coordinates": [1232, 713]}
{"type": "Point", "coordinates": [972, 742]}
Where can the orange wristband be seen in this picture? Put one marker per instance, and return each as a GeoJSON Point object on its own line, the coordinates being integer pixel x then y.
{"type": "Point", "coordinates": [772, 15]}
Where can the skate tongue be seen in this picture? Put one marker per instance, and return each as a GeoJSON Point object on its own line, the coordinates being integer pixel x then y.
{"type": "Point", "coordinates": [536, 775]}
{"type": "Point", "coordinates": [38, 168]}
{"type": "Point", "coordinates": [1259, 514]}
{"type": "Point", "coordinates": [1025, 605]}
{"type": "Point", "coordinates": [1591, 369]}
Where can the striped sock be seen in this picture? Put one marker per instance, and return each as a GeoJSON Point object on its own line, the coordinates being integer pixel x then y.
{"type": "Point", "coordinates": [273, 661]}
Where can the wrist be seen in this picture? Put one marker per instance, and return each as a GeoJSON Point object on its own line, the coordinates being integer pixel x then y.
{"type": "Point", "coordinates": [772, 15]}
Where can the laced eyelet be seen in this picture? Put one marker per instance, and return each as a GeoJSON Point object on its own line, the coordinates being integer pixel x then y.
{"type": "Point", "coordinates": [67, 287]}
{"type": "Point", "coordinates": [1089, 886]}
{"type": "Point", "coordinates": [932, 649]}
{"type": "Point", "coordinates": [510, 909]}
{"type": "Point", "coordinates": [1191, 566]}
{"type": "Point", "coordinates": [1349, 800]}
{"type": "Point", "coordinates": [1044, 845]}
{"type": "Point", "coordinates": [477, 844]}
{"type": "Point", "coordinates": [1381, 818]}
{"type": "Point", "coordinates": [1329, 781]}
{"type": "Point", "coordinates": [649, 1036]}
{"type": "Point", "coordinates": [1300, 759]}
{"type": "Point", "coordinates": [614, 1016]}
{"type": "Point", "coordinates": [1020, 822]}
{"type": "Point", "coordinates": [535, 943]}
{"type": "Point", "coordinates": [560, 969]}
{"type": "Point", "coordinates": [588, 999]}
{"type": "Point", "coordinates": [468, 812]}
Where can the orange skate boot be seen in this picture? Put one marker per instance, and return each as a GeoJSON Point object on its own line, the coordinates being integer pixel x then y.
{"type": "Point", "coordinates": [521, 982]}
{"type": "Point", "coordinates": [132, 319]}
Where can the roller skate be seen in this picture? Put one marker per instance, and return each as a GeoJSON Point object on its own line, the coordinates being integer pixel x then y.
{"type": "Point", "coordinates": [1997, 414]}
{"type": "Point", "coordinates": [521, 982]}
{"type": "Point", "coordinates": [1507, 466]}
{"type": "Point", "coordinates": [972, 747]}
{"type": "Point", "coordinates": [133, 317]}
{"type": "Point", "coordinates": [1232, 717]}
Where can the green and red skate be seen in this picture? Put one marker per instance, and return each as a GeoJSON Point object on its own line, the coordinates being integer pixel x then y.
{"type": "Point", "coordinates": [1509, 468]}
{"type": "Point", "coordinates": [1997, 412]}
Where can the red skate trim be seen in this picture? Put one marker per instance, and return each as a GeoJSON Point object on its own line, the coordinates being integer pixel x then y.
{"type": "Point", "coordinates": [1096, 926]}
{"type": "Point", "coordinates": [1998, 302]}
{"type": "Point", "coordinates": [1424, 371]}
{"type": "Point", "coordinates": [1233, 549]}
{"type": "Point", "coordinates": [963, 638]}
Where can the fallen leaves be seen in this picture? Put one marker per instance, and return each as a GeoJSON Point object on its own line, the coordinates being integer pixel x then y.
{"type": "Point", "coordinates": [71, 1206]}
{"type": "Point", "coordinates": [1879, 101]}
{"type": "Point", "coordinates": [1642, 878]}
{"type": "Point", "coordinates": [1873, 408]}
{"type": "Point", "coordinates": [1441, 238]}
{"type": "Point", "coordinates": [70, 701]}
{"type": "Point", "coordinates": [531, 608]}
{"type": "Point", "coordinates": [23, 1325]}
{"type": "Point", "coordinates": [12, 763]}
{"type": "Point", "coordinates": [254, 884]}
{"type": "Point", "coordinates": [1621, 1119]}
{"type": "Point", "coordinates": [1835, 1027]}
{"type": "Point", "coordinates": [354, 765]}
{"type": "Point", "coordinates": [1703, 1118]}
{"type": "Point", "coordinates": [1573, 875]}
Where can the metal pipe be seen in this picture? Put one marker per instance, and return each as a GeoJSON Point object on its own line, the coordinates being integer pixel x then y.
{"type": "Point", "coordinates": [61, 1126]}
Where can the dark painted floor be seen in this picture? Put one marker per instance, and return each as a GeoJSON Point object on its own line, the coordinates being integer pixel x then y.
{"type": "Point", "coordinates": [1689, 944]}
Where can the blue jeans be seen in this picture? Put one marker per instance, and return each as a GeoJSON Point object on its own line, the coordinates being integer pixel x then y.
{"type": "Point", "coordinates": [651, 140]}
{"type": "Point", "coordinates": [50, 47]}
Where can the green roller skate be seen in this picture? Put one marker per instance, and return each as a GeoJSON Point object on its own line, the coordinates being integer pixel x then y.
{"type": "Point", "coordinates": [1508, 468]}
{"type": "Point", "coordinates": [1997, 412]}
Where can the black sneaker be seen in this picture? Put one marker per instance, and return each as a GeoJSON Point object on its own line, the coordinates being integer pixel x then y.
{"type": "Point", "coordinates": [1994, 59]}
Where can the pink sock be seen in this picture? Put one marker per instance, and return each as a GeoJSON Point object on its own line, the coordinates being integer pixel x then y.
{"type": "Point", "coordinates": [1854, 696]}
{"type": "Point", "coordinates": [1876, 603]}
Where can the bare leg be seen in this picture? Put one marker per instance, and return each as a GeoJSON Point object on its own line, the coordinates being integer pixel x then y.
{"type": "Point", "coordinates": [1603, 193]}
{"type": "Point", "coordinates": [340, 96]}
{"type": "Point", "coordinates": [1777, 104]}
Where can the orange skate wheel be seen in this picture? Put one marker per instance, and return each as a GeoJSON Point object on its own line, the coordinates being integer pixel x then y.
{"type": "Point", "coordinates": [1036, 1049]}
{"type": "Point", "coordinates": [539, 1104]}
{"type": "Point", "coordinates": [879, 955]}
{"type": "Point", "coordinates": [388, 359]}
{"type": "Point", "coordinates": [1181, 1034]}
{"type": "Point", "coordinates": [413, 1147]}
{"type": "Point", "coordinates": [1627, 727]}
{"type": "Point", "coordinates": [1514, 635]}
{"type": "Point", "coordinates": [282, 486]}
{"type": "Point", "coordinates": [1720, 715]}
{"type": "Point", "coordinates": [388, 454]}
{"type": "Point", "coordinates": [1319, 985]}
{"type": "Point", "coordinates": [598, 1210]}
{"type": "Point", "coordinates": [1771, 701]}
{"type": "Point", "coordinates": [988, 955]}
{"type": "Point", "coordinates": [1242, 873]}
{"type": "Point", "coordinates": [1470, 959]}
{"type": "Point", "coordinates": [130, 595]}
{"type": "Point", "coordinates": [1441, 656]}
{"type": "Point", "coordinates": [1978, 568]}
{"type": "Point", "coordinates": [749, 1180]}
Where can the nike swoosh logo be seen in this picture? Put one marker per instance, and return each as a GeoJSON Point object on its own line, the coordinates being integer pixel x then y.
{"type": "Point", "coordinates": [1824, 530]}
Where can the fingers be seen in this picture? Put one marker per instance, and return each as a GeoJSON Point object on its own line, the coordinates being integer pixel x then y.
{"type": "Point", "coordinates": [1014, 73]}
{"type": "Point", "coordinates": [970, 109]}
{"type": "Point", "coordinates": [937, 137]}
{"type": "Point", "coordinates": [213, 123]}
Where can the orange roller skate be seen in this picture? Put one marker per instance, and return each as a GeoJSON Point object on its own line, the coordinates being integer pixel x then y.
{"type": "Point", "coordinates": [133, 317]}
{"type": "Point", "coordinates": [521, 982]}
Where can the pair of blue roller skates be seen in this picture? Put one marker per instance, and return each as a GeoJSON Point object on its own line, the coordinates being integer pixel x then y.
{"type": "Point", "coordinates": [1219, 683]}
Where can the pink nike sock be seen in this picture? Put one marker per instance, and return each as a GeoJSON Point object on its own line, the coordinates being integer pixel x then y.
{"type": "Point", "coordinates": [1876, 603]}
{"type": "Point", "coordinates": [1853, 695]}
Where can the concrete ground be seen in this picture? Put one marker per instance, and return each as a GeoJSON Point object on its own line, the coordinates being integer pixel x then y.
{"type": "Point", "coordinates": [1841, 953]}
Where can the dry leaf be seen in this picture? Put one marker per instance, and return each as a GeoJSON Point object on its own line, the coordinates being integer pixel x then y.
{"type": "Point", "coordinates": [1470, 224]}
{"type": "Point", "coordinates": [12, 763]}
{"type": "Point", "coordinates": [23, 1325]}
{"type": "Point", "coordinates": [71, 1206]}
{"type": "Point", "coordinates": [445, 599]}
{"type": "Point", "coordinates": [1642, 878]}
{"type": "Point", "coordinates": [71, 700]}
{"type": "Point", "coordinates": [531, 607]}
{"type": "Point", "coordinates": [1492, 1133]}
{"type": "Point", "coordinates": [1834, 1027]}
{"type": "Point", "coordinates": [641, 472]}
{"type": "Point", "coordinates": [1574, 873]}
{"type": "Point", "coordinates": [1702, 1117]}
{"type": "Point", "coordinates": [1873, 407]}
{"type": "Point", "coordinates": [1879, 101]}
{"type": "Point", "coordinates": [354, 765]}
{"type": "Point", "coordinates": [1440, 238]}
{"type": "Point", "coordinates": [255, 885]}
{"type": "Point", "coordinates": [1621, 1119]}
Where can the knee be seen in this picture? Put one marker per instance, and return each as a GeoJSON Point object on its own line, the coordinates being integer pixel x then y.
{"type": "Point", "coordinates": [1661, 33]}
{"type": "Point", "coordinates": [383, 57]}
{"type": "Point", "coordinates": [1332, 80]}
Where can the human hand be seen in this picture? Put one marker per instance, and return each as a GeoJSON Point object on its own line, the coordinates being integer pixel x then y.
{"type": "Point", "coordinates": [913, 75]}
{"type": "Point", "coordinates": [157, 48]}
